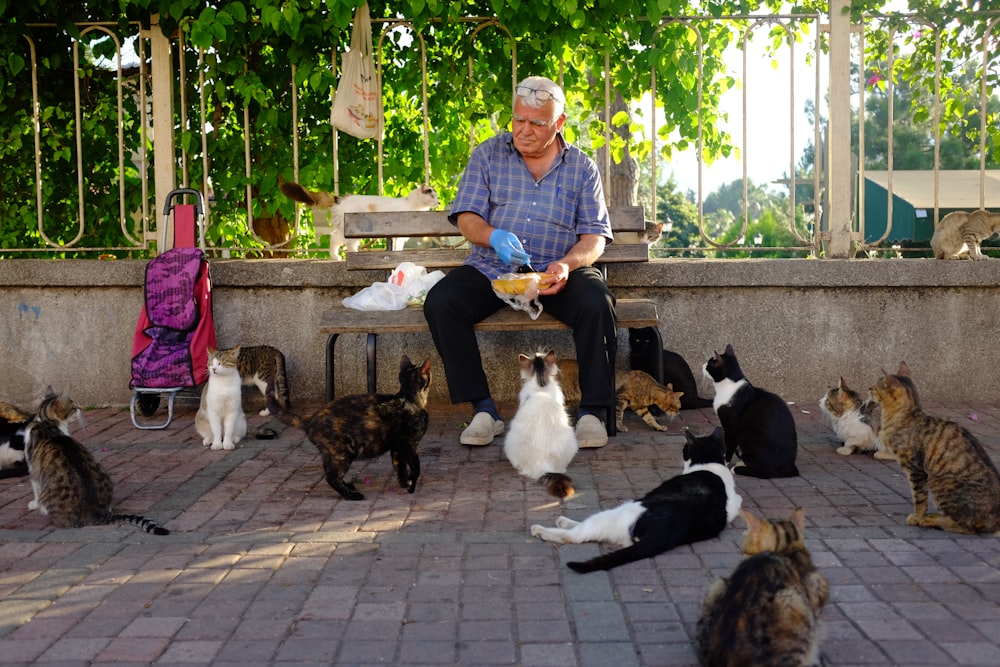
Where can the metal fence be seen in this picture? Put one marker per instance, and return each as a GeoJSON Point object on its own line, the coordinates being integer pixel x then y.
{"type": "Point", "coordinates": [785, 213]}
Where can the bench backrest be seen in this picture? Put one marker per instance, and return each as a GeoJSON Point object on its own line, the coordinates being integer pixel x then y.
{"type": "Point", "coordinates": [435, 225]}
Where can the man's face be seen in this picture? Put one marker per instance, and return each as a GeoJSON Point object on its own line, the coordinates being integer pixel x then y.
{"type": "Point", "coordinates": [534, 128]}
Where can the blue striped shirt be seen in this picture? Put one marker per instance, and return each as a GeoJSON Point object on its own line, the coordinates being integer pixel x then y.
{"type": "Point", "coordinates": [548, 216]}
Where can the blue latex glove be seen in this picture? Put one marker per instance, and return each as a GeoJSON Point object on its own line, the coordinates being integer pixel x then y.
{"type": "Point", "coordinates": [509, 248]}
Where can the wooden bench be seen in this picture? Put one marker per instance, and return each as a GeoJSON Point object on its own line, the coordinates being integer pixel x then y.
{"type": "Point", "coordinates": [632, 313]}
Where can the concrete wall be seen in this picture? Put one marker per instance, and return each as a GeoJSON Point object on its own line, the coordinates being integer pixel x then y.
{"type": "Point", "coordinates": [797, 325]}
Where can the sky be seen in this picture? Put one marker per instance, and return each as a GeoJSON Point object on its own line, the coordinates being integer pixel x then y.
{"type": "Point", "coordinates": [778, 129]}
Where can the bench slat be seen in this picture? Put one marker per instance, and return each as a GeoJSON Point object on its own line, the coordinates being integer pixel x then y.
{"type": "Point", "coordinates": [368, 225]}
{"type": "Point", "coordinates": [632, 313]}
{"type": "Point", "coordinates": [441, 258]}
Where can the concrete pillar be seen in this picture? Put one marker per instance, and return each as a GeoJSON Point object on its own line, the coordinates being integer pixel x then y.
{"type": "Point", "coordinates": [164, 167]}
{"type": "Point", "coordinates": [839, 153]}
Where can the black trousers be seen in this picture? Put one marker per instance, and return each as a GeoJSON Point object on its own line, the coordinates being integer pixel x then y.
{"type": "Point", "coordinates": [464, 297]}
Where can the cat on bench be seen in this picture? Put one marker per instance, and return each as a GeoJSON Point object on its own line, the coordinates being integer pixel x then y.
{"type": "Point", "coordinates": [331, 209]}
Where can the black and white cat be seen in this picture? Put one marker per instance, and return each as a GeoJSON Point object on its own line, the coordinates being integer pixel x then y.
{"type": "Point", "coordinates": [693, 506]}
{"type": "Point", "coordinates": [676, 372]}
{"type": "Point", "coordinates": [759, 427]}
{"type": "Point", "coordinates": [540, 442]}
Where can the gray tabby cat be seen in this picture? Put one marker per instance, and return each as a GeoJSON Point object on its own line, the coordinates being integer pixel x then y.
{"type": "Point", "coordinates": [69, 485]}
{"type": "Point", "coordinates": [767, 612]}
{"type": "Point", "coordinates": [959, 234]}
{"type": "Point", "coordinates": [264, 366]}
{"type": "Point", "coordinates": [59, 408]}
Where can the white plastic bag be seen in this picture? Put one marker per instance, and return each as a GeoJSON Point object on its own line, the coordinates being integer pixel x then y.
{"type": "Point", "coordinates": [357, 104]}
{"type": "Point", "coordinates": [408, 285]}
{"type": "Point", "coordinates": [526, 298]}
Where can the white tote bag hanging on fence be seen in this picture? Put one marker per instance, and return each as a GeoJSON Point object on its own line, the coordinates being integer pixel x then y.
{"type": "Point", "coordinates": [357, 105]}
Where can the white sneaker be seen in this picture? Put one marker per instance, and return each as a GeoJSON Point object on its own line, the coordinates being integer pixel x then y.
{"type": "Point", "coordinates": [590, 432]}
{"type": "Point", "coordinates": [481, 430]}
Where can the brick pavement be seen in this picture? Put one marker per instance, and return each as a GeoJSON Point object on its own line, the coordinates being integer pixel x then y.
{"type": "Point", "coordinates": [266, 565]}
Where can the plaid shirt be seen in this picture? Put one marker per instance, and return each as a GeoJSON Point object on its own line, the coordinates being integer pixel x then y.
{"type": "Point", "coordinates": [548, 216]}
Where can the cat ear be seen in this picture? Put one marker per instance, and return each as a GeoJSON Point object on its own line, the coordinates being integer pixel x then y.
{"type": "Point", "coordinates": [405, 363]}
{"type": "Point", "coordinates": [425, 367]}
{"type": "Point", "coordinates": [903, 369]}
{"type": "Point", "coordinates": [729, 349]}
{"type": "Point", "coordinates": [550, 358]}
{"type": "Point", "coordinates": [843, 385]}
{"type": "Point", "coordinates": [524, 360]}
{"type": "Point", "coordinates": [753, 523]}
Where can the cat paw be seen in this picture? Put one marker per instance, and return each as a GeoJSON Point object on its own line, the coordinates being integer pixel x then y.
{"type": "Point", "coordinates": [621, 428]}
{"type": "Point", "coordinates": [565, 522]}
{"type": "Point", "coordinates": [207, 442]}
{"type": "Point", "coordinates": [216, 444]}
{"type": "Point", "coordinates": [227, 445]}
{"type": "Point", "coordinates": [264, 413]}
{"type": "Point", "coordinates": [845, 450]}
{"type": "Point", "coordinates": [885, 455]}
{"type": "Point", "coordinates": [32, 504]}
{"type": "Point", "coordinates": [659, 427]}
{"type": "Point", "coordinates": [915, 520]}
{"type": "Point", "coordinates": [536, 530]}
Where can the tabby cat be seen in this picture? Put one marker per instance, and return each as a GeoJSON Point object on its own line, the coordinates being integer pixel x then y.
{"type": "Point", "coordinates": [767, 612]}
{"type": "Point", "coordinates": [851, 419]}
{"type": "Point", "coordinates": [676, 372]}
{"type": "Point", "coordinates": [422, 198]}
{"type": "Point", "coordinates": [69, 484]}
{"type": "Point", "coordinates": [59, 408]}
{"type": "Point", "coordinates": [693, 506]}
{"type": "Point", "coordinates": [759, 427]}
{"type": "Point", "coordinates": [363, 426]}
{"type": "Point", "coordinates": [959, 234]}
{"type": "Point", "coordinates": [635, 390]}
{"type": "Point", "coordinates": [941, 458]}
{"type": "Point", "coordinates": [220, 420]}
{"type": "Point", "coordinates": [638, 391]}
{"type": "Point", "coordinates": [540, 443]}
{"type": "Point", "coordinates": [264, 366]}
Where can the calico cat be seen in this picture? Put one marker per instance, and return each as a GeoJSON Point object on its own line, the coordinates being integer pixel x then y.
{"type": "Point", "coordinates": [941, 458]}
{"type": "Point", "coordinates": [59, 408]}
{"type": "Point", "coordinates": [851, 419]}
{"type": "Point", "coordinates": [638, 391]}
{"type": "Point", "coordinates": [540, 442]}
{"type": "Point", "coordinates": [69, 485]}
{"type": "Point", "coordinates": [767, 612]}
{"type": "Point", "coordinates": [220, 420]}
{"type": "Point", "coordinates": [759, 426]}
{"type": "Point", "coordinates": [693, 506]}
{"type": "Point", "coordinates": [264, 366]}
{"type": "Point", "coordinates": [651, 233]}
{"type": "Point", "coordinates": [959, 234]}
{"type": "Point", "coordinates": [363, 426]}
{"type": "Point", "coordinates": [676, 372]}
{"type": "Point", "coordinates": [422, 198]}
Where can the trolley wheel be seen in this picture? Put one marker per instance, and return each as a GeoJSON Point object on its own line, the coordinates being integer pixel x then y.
{"type": "Point", "coordinates": [148, 404]}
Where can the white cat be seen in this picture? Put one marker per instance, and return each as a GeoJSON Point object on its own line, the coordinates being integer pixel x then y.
{"type": "Point", "coordinates": [540, 442]}
{"type": "Point", "coordinates": [330, 209]}
{"type": "Point", "coordinates": [220, 420]}
{"type": "Point", "coordinates": [959, 234]}
{"type": "Point", "coordinates": [850, 418]}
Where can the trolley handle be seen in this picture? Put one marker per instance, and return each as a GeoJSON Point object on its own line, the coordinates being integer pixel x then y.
{"type": "Point", "coordinates": [199, 207]}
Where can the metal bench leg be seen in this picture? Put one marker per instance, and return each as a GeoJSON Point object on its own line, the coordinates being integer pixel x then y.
{"type": "Point", "coordinates": [331, 342]}
{"type": "Point", "coordinates": [611, 424]}
{"type": "Point", "coordinates": [372, 368]}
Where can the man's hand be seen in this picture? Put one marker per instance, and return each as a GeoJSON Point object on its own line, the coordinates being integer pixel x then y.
{"type": "Point", "coordinates": [554, 278]}
{"type": "Point", "coordinates": [509, 248]}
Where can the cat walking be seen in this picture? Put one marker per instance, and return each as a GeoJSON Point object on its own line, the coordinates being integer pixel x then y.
{"type": "Point", "coordinates": [540, 443]}
{"type": "Point", "coordinates": [693, 506]}
{"type": "Point", "coordinates": [333, 208]}
{"type": "Point", "coordinates": [759, 427]}
{"type": "Point", "coordinates": [939, 457]}
{"type": "Point", "coordinates": [767, 612]}
{"type": "Point", "coordinates": [69, 485]}
{"type": "Point", "coordinates": [364, 426]}
{"type": "Point", "coordinates": [639, 392]}
{"type": "Point", "coordinates": [220, 420]}
{"type": "Point", "coordinates": [959, 234]}
{"type": "Point", "coordinates": [58, 408]}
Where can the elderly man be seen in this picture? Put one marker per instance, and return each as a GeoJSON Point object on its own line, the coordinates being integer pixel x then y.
{"type": "Point", "coordinates": [528, 198]}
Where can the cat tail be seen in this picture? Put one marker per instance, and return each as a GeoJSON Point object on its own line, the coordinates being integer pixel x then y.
{"type": "Point", "coordinates": [558, 484]}
{"type": "Point", "coordinates": [646, 548]}
{"type": "Point", "coordinates": [142, 522]}
{"type": "Point", "coordinates": [279, 411]}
